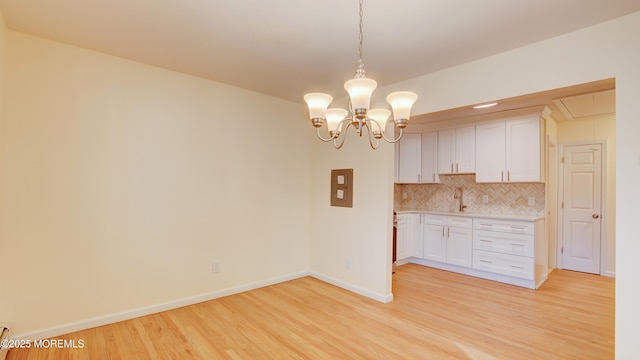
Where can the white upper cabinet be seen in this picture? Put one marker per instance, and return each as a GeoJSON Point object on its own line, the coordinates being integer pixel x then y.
{"type": "Point", "coordinates": [490, 152]}
{"type": "Point", "coordinates": [524, 150]}
{"type": "Point", "coordinates": [429, 157]}
{"type": "Point", "coordinates": [509, 151]}
{"type": "Point", "coordinates": [457, 151]}
{"type": "Point", "coordinates": [417, 159]}
{"type": "Point", "coordinates": [409, 159]}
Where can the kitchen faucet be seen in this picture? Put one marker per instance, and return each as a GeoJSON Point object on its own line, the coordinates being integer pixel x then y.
{"type": "Point", "coordinates": [458, 195]}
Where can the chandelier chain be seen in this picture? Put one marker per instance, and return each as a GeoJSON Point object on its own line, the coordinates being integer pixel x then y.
{"type": "Point", "coordinates": [361, 38]}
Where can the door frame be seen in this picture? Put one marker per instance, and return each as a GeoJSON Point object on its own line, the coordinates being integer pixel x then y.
{"type": "Point", "coordinates": [551, 186]}
{"type": "Point", "coordinates": [603, 202]}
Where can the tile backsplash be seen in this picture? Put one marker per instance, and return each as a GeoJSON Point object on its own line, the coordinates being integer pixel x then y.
{"type": "Point", "coordinates": [503, 199]}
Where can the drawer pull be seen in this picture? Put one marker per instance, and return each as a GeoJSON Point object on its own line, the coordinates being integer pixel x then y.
{"type": "Point", "coordinates": [486, 261]}
{"type": "Point", "coordinates": [481, 224]}
{"type": "Point", "coordinates": [483, 240]}
{"type": "Point", "coordinates": [515, 244]}
{"type": "Point", "coordinates": [517, 267]}
{"type": "Point", "coordinates": [518, 228]}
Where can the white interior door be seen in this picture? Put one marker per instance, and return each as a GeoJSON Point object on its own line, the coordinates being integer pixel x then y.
{"type": "Point", "coordinates": [582, 215]}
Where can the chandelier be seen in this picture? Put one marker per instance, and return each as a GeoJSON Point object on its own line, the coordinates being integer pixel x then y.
{"type": "Point", "coordinates": [359, 116]}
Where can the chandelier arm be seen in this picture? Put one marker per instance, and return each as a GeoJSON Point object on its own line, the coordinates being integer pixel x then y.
{"type": "Point", "coordinates": [324, 139]}
{"type": "Point", "coordinates": [373, 145]}
{"type": "Point", "coordinates": [337, 145]}
{"type": "Point", "coordinates": [394, 140]}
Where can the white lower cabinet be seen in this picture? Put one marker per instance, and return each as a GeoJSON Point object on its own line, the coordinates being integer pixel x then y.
{"type": "Point", "coordinates": [448, 239]}
{"type": "Point", "coordinates": [402, 237]}
{"type": "Point", "coordinates": [512, 248]}
{"type": "Point", "coordinates": [518, 266]}
{"type": "Point", "coordinates": [510, 251]}
{"type": "Point", "coordinates": [407, 236]}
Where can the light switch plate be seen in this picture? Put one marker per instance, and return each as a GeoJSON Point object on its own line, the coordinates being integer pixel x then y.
{"type": "Point", "coordinates": [532, 200]}
{"type": "Point", "coordinates": [485, 198]}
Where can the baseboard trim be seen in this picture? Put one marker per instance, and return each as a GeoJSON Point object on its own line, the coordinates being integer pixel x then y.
{"type": "Point", "coordinates": [353, 288]}
{"type": "Point", "coordinates": [147, 310]}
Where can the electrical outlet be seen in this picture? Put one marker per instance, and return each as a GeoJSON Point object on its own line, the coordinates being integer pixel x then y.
{"type": "Point", "coordinates": [485, 198]}
{"type": "Point", "coordinates": [532, 200]}
{"type": "Point", "coordinates": [347, 264]}
{"type": "Point", "coordinates": [404, 195]}
{"type": "Point", "coordinates": [215, 266]}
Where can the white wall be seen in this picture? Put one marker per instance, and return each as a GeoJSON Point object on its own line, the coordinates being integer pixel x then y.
{"type": "Point", "coordinates": [362, 233]}
{"type": "Point", "coordinates": [602, 128]}
{"type": "Point", "coordinates": [607, 50]}
{"type": "Point", "coordinates": [123, 182]}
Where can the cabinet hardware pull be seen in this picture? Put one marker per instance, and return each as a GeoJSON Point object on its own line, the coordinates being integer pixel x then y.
{"type": "Point", "coordinates": [443, 231]}
{"type": "Point", "coordinates": [502, 176]}
{"type": "Point", "coordinates": [514, 244]}
{"type": "Point", "coordinates": [486, 224]}
{"type": "Point", "coordinates": [486, 261]}
{"type": "Point", "coordinates": [517, 267]}
{"type": "Point", "coordinates": [434, 177]}
{"type": "Point", "coordinates": [483, 240]}
{"type": "Point", "coordinates": [419, 180]}
{"type": "Point", "coordinates": [519, 228]}
{"type": "Point", "coordinates": [509, 175]}
{"type": "Point", "coordinates": [449, 232]}
{"type": "Point", "coordinates": [451, 167]}
{"type": "Point", "coordinates": [457, 170]}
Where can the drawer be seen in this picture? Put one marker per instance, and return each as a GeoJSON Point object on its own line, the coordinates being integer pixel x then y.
{"type": "Point", "coordinates": [506, 226]}
{"type": "Point", "coordinates": [435, 219]}
{"type": "Point", "coordinates": [511, 265]}
{"type": "Point", "coordinates": [505, 243]}
{"type": "Point", "coordinates": [460, 221]}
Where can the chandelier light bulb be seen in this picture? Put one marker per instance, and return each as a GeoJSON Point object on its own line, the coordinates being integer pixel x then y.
{"type": "Point", "coordinates": [317, 103]}
{"type": "Point", "coordinates": [334, 117]}
{"type": "Point", "coordinates": [401, 102]}
{"type": "Point", "coordinates": [360, 90]}
{"type": "Point", "coordinates": [380, 116]}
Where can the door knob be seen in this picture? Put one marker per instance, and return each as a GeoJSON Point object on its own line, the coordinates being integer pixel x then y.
{"type": "Point", "coordinates": [595, 216]}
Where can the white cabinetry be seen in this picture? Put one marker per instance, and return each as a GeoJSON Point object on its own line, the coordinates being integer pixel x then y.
{"type": "Point", "coordinates": [417, 159]}
{"type": "Point", "coordinates": [512, 248]}
{"type": "Point", "coordinates": [402, 237]}
{"type": "Point", "coordinates": [409, 161]}
{"type": "Point", "coordinates": [509, 151]}
{"type": "Point", "coordinates": [456, 151]}
{"type": "Point", "coordinates": [408, 235]}
{"type": "Point", "coordinates": [429, 158]}
{"type": "Point", "coordinates": [448, 239]}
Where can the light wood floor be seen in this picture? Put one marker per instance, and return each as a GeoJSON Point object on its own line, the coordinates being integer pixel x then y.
{"type": "Point", "coordinates": [435, 315]}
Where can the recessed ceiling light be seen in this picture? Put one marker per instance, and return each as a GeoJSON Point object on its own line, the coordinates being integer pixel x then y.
{"type": "Point", "coordinates": [485, 105]}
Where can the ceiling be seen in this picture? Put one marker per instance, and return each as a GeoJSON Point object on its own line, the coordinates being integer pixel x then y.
{"type": "Point", "coordinates": [584, 101]}
{"type": "Point", "coordinates": [286, 48]}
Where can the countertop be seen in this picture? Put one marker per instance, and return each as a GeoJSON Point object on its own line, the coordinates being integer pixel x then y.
{"type": "Point", "coordinates": [474, 214]}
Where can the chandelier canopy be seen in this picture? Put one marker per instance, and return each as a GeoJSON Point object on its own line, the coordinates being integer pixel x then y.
{"type": "Point", "coordinates": [360, 89]}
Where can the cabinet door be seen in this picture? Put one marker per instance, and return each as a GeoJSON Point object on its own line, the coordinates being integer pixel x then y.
{"type": "Point", "coordinates": [523, 150]}
{"type": "Point", "coordinates": [417, 245]}
{"type": "Point", "coordinates": [465, 150]}
{"type": "Point", "coordinates": [435, 245]}
{"type": "Point", "coordinates": [409, 163]}
{"type": "Point", "coordinates": [459, 246]}
{"type": "Point", "coordinates": [402, 238]}
{"type": "Point", "coordinates": [490, 152]}
{"type": "Point", "coordinates": [446, 151]}
{"type": "Point", "coordinates": [429, 156]}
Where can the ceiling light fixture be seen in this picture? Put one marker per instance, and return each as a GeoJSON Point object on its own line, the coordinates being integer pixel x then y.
{"type": "Point", "coordinates": [360, 89]}
{"type": "Point", "coordinates": [483, 106]}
